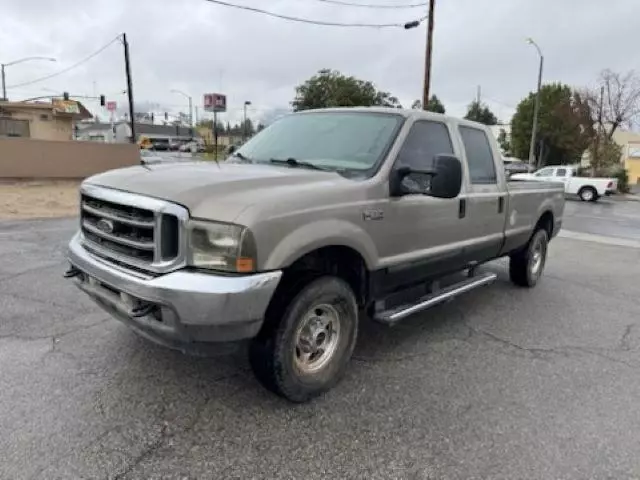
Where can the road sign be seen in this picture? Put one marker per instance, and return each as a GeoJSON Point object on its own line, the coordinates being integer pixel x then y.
{"type": "Point", "coordinates": [215, 102]}
{"type": "Point", "coordinates": [111, 106]}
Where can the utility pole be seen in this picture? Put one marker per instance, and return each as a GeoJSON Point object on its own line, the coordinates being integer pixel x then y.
{"type": "Point", "coordinates": [536, 108]}
{"type": "Point", "coordinates": [595, 161]}
{"type": "Point", "coordinates": [429, 50]}
{"type": "Point", "coordinates": [478, 95]}
{"type": "Point", "coordinates": [4, 86]}
{"type": "Point", "coordinates": [127, 66]}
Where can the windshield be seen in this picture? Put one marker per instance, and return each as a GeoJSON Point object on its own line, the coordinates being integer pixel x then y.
{"type": "Point", "coordinates": [331, 140]}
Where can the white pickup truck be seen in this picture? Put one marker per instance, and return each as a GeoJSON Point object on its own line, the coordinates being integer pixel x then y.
{"type": "Point", "coordinates": [587, 188]}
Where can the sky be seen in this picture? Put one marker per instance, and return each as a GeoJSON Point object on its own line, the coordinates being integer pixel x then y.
{"type": "Point", "coordinates": [198, 47]}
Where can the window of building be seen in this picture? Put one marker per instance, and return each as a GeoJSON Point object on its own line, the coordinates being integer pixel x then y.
{"type": "Point", "coordinates": [10, 127]}
{"type": "Point", "coordinates": [482, 168]}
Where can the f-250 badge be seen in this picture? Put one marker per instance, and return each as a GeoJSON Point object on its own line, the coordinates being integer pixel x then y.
{"type": "Point", "coordinates": [373, 214]}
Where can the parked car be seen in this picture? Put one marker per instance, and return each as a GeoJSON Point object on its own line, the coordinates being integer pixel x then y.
{"type": "Point", "coordinates": [192, 147]}
{"type": "Point", "coordinates": [587, 188]}
{"type": "Point", "coordinates": [324, 216]}
{"type": "Point", "coordinates": [148, 157]}
{"type": "Point", "coordinates": [514, 165]}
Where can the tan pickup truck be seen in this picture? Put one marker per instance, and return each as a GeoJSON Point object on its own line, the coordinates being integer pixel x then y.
{"type": "Point", "coordinates": [323, 218]}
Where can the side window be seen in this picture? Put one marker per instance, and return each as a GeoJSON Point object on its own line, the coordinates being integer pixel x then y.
{"type": "Point", "coordinates": [545, 172]}
{"type": "Point", "coordinates": [482, 168]}
{"type": "Point", "coordinates": [425, 140]}
{"type": "Point", "coordinates": [561, 172]}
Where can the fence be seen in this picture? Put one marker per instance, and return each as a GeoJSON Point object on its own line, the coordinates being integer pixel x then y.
{"type": "Point", "coordinates": [39, 159]}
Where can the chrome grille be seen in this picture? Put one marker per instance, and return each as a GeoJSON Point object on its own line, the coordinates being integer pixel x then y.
{"type": "Point", "coordinates": [132, 230]}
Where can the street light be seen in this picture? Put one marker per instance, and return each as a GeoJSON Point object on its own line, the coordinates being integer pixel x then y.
{"type": "Point", "coordinates": [26, 59]}
{"type": "Point", "coordinates": [244, 125]}
{"type": "Point", "coordinates": [190, 108]}
{"type": "Point", "coordinates": [536, 108]}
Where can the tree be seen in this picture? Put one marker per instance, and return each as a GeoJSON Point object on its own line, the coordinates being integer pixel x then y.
{"type": "Point", "coordinates": [504, 143]}
{"type": "Point", "coordinates": [330, 88]}
{"type": "Point", "coordinates": [619, 96]}
{"type": "Point", "coordinates": [479, 112]}
{"type": "Point", "coordinates": [564, 127]}
{"type": "Point", "coordinates": [434, 105]}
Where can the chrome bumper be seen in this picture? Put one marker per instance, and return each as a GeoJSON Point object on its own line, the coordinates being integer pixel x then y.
{"type": "Point", "coordinates": [179, 308]}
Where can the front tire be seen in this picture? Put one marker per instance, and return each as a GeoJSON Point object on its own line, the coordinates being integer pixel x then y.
{"type": "Point", "coordinates": [526, 266]}
{"type": "Point", "coordinates": [305, 346]}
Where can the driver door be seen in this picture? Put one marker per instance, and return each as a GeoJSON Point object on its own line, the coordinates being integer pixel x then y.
{"type": "Point", "coordinates": [420, 231]}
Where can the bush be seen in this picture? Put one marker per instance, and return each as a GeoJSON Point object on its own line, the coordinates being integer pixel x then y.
{"type": "Point", "coordinates": [623, 180]}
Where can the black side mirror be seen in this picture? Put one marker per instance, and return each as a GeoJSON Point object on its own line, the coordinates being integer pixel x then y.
{"type": "Point", "coordinates": [447, 182]}
{"type": "Point", "coordinates": [231, 149]}
{"type": "Point", "coordinates": [444, 180]}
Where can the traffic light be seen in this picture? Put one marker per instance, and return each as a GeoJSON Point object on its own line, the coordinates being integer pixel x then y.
{"type": "Point", "coordinates": [103, 101]}
{"type": "Point", "coordinates": [65, 95]}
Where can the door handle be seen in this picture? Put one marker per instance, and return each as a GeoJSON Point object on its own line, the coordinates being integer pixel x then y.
{"type": "Point", "coordinates": [500, 204]}
{"type": "Point", "coordinates": [462, 208]}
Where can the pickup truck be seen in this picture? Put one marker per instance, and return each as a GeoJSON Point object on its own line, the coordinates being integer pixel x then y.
{"type": "Point", "coordinates": [324, 218]}
{"type": "Point", "coordinates": [587, 188]}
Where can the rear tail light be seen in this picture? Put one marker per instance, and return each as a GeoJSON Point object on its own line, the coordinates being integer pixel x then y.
{"type": "Point", "coordinates": [610, 185]}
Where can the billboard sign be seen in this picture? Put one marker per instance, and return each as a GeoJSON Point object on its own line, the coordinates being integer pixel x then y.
{"type": "Point", "coordinates": [111, 106]}
{"type": "Point", "coordinates": [215, 102]}
{"type": "Point", "coordinates": [66, 106]}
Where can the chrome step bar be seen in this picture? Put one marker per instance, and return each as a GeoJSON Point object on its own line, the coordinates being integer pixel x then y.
{"type": "Point", "coordinates": [396, 314]}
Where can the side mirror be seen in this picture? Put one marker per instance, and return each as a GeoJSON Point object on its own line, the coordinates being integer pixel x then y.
{"type": "Point", "coordinates": [444, 180]}
{"type": "Point", "coordinates": [231, 149]}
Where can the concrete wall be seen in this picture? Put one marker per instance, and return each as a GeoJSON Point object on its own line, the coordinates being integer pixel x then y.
{"type": "Point", "coordinates": [28, 158]}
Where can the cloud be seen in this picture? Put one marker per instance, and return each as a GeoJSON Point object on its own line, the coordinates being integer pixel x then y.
{"type": "Point", "coordinates": [198, 47]}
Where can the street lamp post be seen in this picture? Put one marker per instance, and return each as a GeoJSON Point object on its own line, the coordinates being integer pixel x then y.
{"type": "Point", "coordinates": [536, 108]}
{"type": "Point", "coordinates": [190, 109]}
{"type": "Point", "coordinates": [244, 125]}
{"type": "Point", "coordinates": [26, 59]}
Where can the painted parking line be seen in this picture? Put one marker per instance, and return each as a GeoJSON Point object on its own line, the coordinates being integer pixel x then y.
{"type": "Point", "coordinates": [602, 239]}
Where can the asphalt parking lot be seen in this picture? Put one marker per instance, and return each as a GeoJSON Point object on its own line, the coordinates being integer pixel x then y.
{"type": "Point", "coordinates": [504, 383]}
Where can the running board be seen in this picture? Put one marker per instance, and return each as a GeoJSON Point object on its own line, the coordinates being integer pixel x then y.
{"type": "Point", "coordinates": [396, 314]}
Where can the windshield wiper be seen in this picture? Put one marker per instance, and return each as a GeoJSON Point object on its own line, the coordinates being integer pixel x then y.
{"type": "Point", "coordinates": [292, 162]}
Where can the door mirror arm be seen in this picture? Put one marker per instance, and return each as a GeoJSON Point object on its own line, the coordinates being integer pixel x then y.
{"type": "Point", "coordinates": [398, 189]}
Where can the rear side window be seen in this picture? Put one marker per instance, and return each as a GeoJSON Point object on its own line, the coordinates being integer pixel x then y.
{"type": "Point", "coordinates": [561, 172]}
{"type": "Point", "coordinates": [482, 168]}
{"type": "Point", "coordinates": [425, 140]}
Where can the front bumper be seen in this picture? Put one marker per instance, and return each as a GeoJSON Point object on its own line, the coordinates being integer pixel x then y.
{"type": "Point", "coordinates": [181, 309]}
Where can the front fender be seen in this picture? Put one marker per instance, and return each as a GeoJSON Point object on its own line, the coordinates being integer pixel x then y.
{"type": "Point", "coordinates": [323, 233]}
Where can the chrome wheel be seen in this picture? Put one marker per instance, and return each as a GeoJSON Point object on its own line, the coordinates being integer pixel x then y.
{"type": "Point", "coordinates": [316, 338]}
{"type": "Point", "coordinates": [587, 195]}
{"type": "Point", "coordinates": [537, 258]}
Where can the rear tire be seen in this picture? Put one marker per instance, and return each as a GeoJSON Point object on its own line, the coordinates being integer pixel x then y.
{"type": "Point", "coordinates": [588, 194]}
{"type": "Point", "coordinates": [305, 346]}
{"type": "Point", "coordinates": [526, 266]}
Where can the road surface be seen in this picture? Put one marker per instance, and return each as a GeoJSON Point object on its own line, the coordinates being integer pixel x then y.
{"type": "Point", "coordinates": [504, 383]}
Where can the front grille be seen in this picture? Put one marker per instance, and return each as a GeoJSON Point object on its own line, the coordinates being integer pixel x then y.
{"type": "Point", "coordinates": [145, 239]}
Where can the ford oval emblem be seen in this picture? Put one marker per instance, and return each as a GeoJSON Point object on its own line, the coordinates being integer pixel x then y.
{"type": "Point", "coordinates": [105, 226]}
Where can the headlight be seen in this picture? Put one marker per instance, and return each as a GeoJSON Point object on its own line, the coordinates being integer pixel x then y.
{"type": "Point", "coordinates": [221, 246]}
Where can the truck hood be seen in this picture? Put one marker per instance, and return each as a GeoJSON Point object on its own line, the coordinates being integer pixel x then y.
{"type": "Point", "coordinates": [216, 191]}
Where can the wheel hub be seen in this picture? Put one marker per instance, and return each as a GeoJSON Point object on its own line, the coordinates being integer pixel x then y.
{"type": "Point", "coordinates": [316, 338]}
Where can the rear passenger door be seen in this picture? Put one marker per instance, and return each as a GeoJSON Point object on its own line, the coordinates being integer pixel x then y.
{"type": "Point", "coordinates": [486, 198]}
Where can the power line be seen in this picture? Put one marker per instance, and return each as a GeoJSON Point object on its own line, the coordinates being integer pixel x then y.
{"type": "Point", "coordinates": [71, 67]}
{"type": "Point", "coordinates": [314, 22]}
{"type": "Point", "coordinates": [374, 5]}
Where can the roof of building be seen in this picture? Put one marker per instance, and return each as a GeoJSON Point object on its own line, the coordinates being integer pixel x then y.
{"type": "Point", "coordinates": [168, 130]}
{"type": "Point", "coordinates": [57, 107]}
